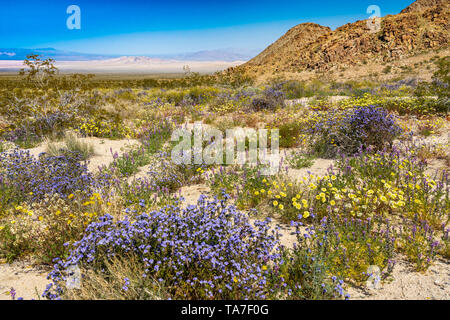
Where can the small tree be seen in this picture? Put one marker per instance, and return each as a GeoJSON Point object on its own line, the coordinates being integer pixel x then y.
{"type": "Point", "coordinates": [39, 71]}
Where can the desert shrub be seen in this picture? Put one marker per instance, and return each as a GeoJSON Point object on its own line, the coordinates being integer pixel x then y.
{"type": "Point", "coordinates": [71, 144]}
{"type": "Point", "coordinates": [44, 228]}
{"type": "Point", "coordinates": [307, 276]}
{"type": "Point", "coordinates": [270, 99]}
{"type": "Point", "coordinates": [289, 133]}
{"type": "Point", "coordinates": [125, 94]}
{"type": "Point", "coordinates": [352, 245]}
{"type": "Point", "coordinates": [199, 95]}
{"type": "Point", "coordinates": [52, 123]}
{"type": "Point", "coordinates": [173, 96]}
{"type": "Point", "coordinates": [34, 178]}
{"type": "Point", "coordinates": [296, 89]}
{"type": "Point", "coordinates": [101, 128]}
{"type": "Point", "coordinates": [260, 103]}
{"type": "Point", "coordinates": [435, 106]}
{"type": "Point", "coordinates": [397, 182]}
{"type": "Point", "coordinates": [373, 186]}
{"type": "Point", "coordinates": [419, 105]}
{"type": "Point", "coordinates": [246, 185]}
{"type": "Point", "coordinates": [155, 135]}
{"type": "Point", "coordinates": [441, 78]}
{"type": "Point", "coordinates": [171, 176]}
{"type": "Point", "coordinates": [23, 138]}
{"type": "Point", "coordinates": [166, 175]}
{"type": "Point", "coordinates": [209, 266]}
{"type": "Point", "coordinates": [355, 129]}
{"type": "Point", "coordinates": [142, 193]}
{"type": "Point", "coordinates": [40, 72]}
{"type": "Point", "coordinates": [130, 161]}
{"type": "Point", "coordinates": [344, 248]}
{"type": "Point", "coordinates": [299, 160]}
{"type": "Point", "coordinates": [387, 69]}
{"type": "Point", "coordinates": [29, 131]}
{"type": "Point", "coordinates": [153, 139]}
{"type": "Point", "coordinates": [417, 242]}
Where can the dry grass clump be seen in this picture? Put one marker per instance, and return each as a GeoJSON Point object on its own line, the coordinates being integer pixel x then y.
{"type": "Point", "coordinates": [121, 279]}
{"type": "Point", "coordinates": [73, 143]}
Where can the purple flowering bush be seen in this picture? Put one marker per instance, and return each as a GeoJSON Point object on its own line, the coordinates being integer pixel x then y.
{"type": "Point", "coordinates": [306, 271]}
{"type": "Point", "coordinates": [354, 129]}
{"type": "Point", "coordinates": [29, 131]}
{"type": "Point", "coordinates": [208, 251]}
{"type": "Point", "coordinates": [418, 242]}
{"type": "Point", "coordinates": [270, 99]}
{"type": "Point", "coordinates": [240, 183]}
{"type": "Point", "coordinates": [34, 178]}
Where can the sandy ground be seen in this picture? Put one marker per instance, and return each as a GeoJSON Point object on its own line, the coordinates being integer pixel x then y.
{"type": "Point", "coordinates": [192, 193]}
{"type": "Point", "coordinates": [410, 285]}
{"type": "Point", "coordinates": [102, 147]}
{"type": "Point", "coordinates": [319, 168]}
{"type": "Point", "coordinates": [28, 281]}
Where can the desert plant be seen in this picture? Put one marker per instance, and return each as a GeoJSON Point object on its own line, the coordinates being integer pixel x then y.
{"type": "Point", "coordinates": [299, 160]}
{"type": "Point", "coordinates": [208, 266]}
{"type": "Point", "coordinates": [353, 130]}
{"type": "Point", "coordinates": [71, 143]}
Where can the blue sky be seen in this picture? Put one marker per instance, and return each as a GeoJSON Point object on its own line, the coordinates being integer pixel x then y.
{"type": "Point", "coordinates": [163, 27]}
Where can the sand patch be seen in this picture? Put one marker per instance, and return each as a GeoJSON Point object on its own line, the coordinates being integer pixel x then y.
{"type": "Point", "coordinates": [434, 284]}
{"type": "Point", "coordinates": [102, 148]}
{"type": "Point", "coordinates": [28, 281]}
{"type": "Point", "coordinates": [319, 168]}
{"type": "Point", "coordinates": [192, 193]}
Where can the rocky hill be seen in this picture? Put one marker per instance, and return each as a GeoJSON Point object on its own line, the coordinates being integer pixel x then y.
{"type": "Point", "coordinates": [421, 27]}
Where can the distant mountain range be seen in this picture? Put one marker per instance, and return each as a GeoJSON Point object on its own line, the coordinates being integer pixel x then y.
{"type": "Point", "coordinates": [229, 55]}
{"type": "Point", "coordinates": [59, 55]}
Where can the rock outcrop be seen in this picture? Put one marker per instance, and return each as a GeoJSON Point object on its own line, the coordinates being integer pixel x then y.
{"type": "Point", "coordinates": [422, 26]}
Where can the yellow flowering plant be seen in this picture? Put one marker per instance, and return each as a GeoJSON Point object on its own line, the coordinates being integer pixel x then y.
{"type": "Point", "coordinates": [43, 228]}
